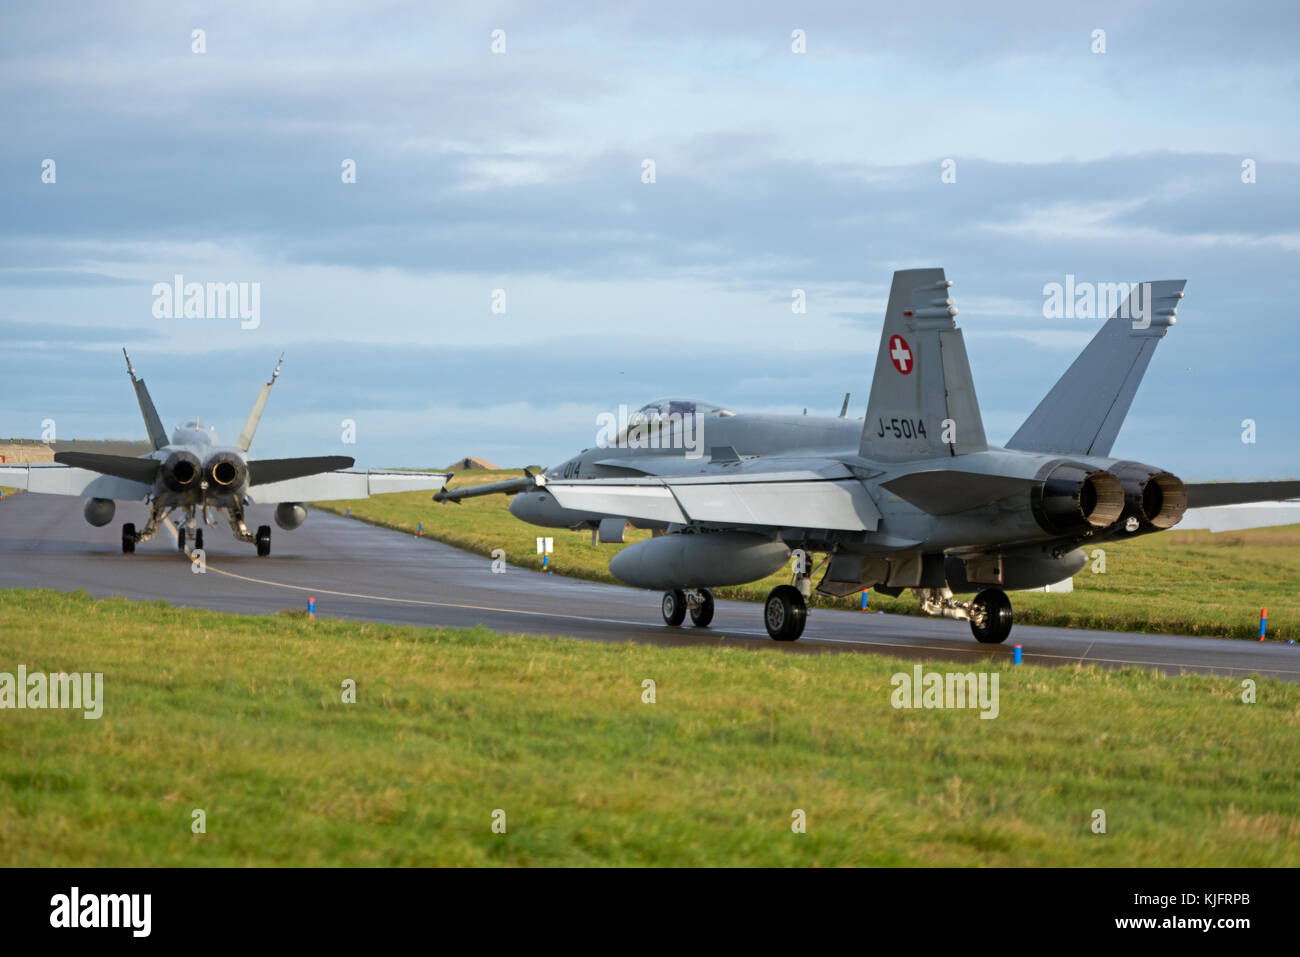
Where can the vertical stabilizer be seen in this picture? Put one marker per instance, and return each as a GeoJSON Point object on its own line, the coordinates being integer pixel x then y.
{"type": "Point", "coordinates": [923, 401]}
{"type": "Point", "coordinates": [153, 425]}
{"type": "Point", "coordinates": [1083, 412]}
{"type": "Point", "coordinates": [250, 427]}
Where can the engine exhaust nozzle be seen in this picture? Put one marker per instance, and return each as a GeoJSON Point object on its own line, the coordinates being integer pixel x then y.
{"type": "Point", "coordinates": [1155, 498]}
{"type": "Point", "coordinates": [226, 470]}
{"type": "Point", "coordinates": [181, 471]}
{"type": "Point", "coordinates": [1075, 498]}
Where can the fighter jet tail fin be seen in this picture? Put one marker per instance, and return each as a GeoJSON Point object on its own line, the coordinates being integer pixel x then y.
{"type": "Point", "coordinates": [923, 401]}
{"type": "Point", "coordinates": [152, 423]}
{"type": "Point", "coordinates": [1083, 412]}
{"type": "Point", "coordinates": [254, 417]}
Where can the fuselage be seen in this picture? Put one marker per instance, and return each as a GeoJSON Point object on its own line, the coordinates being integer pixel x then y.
{"type": "Point", "coordinates": [757, 440]}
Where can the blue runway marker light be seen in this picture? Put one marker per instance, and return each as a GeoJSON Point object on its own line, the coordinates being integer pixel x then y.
{"type": "Point", "coordinates": [545, 559]}
{"type": "Point", "coordinates": [348, 510]}
{"type": "Point", "coordinates": [311, 608]}
{"type": "Point", "coordinates": [419, 530]}
{"type": "Point", "coordinates": [1017, 655]}
{"type": "Point", "coordinates": [864, 601]}
{"type": "Point", "coordinates": [1263, 622]}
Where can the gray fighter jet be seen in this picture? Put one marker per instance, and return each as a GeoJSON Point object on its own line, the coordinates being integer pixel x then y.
{"type": "Point", "coordinates": [193, 474]}
{"type": "Point", "coordinates": [913, 496]}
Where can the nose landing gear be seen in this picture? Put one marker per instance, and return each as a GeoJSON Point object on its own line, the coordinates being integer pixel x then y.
{"type": "Point", "coordinates": [697, 601]}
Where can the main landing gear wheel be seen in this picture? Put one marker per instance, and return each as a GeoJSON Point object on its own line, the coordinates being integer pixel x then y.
{"type": "Point", "coordinates": [198, 539]}
{"type": "Point", "coordinates": [997, 616]}
{"type": "Point", "coordinates": [674, 607]}
{"type": "Point", "coordinates": [128, 538]}
{"type": "Point", "coordinates": [180, 539]}
{"type": "Point", "coordinates": [263, 540]}
{"type": "Point", "coordinates": [785, 613]}
{"type": "Point", "coordinates": [702, 613]}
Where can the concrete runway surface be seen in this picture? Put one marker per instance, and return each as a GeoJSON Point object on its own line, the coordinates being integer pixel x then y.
{"type": "Point", "coordinates": [358, 571]}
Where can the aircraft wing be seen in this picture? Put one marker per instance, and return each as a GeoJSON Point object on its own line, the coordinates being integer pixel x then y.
{"type": "Point", "coordinates": [829, 497]}
{"type": "Point", "coordinates": [331, 486]}
{"type": "Point", "coordinates": [63, 480]}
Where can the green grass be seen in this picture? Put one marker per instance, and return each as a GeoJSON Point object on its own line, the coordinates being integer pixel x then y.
{"type": "Point", "coordinates": [242, 717]}
{"type": "Point", "coordinates": [1193, 583]}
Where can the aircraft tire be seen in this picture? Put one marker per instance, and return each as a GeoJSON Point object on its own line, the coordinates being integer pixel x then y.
{"type": "Point", "coordinates": [702, 613]}
{"type": "Point", "coordinates": [785, 613]}
{"type": "Point", "coordinates": [198, 538]}
{"type": "Point", "coordinates": [128, 538]}
{"type": "Point", "coordinates": [263, 541]}
{"type": "Point", "coordinates": [180, 539]}
{"type": "Point", "coordinates": [997, 617]}
{"type": "Point", "coordinates": [673, 607]}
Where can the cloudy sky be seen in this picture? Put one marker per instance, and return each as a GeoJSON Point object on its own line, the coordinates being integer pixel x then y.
{"type": "Point", "coordinates": [522, 171]}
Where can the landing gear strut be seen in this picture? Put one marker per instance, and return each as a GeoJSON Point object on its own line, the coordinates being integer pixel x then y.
{"type": "Point", "coordinates": [786, 610]}
{"type": "Point", "coordinates": [990, 620]}
{"type": "Point", "coordinates": [130, 536]}
{"type": "Point", "coordinates": [698, 601]}
{"type": "Point", "coordinates": [989, 613]}
{"type": "Point", "coordinates": [187, 525]}
{"type": "Point", "coordinates": [785, 613]}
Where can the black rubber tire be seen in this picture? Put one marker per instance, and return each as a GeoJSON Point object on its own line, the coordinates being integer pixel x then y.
{"type": "Point", "coordinates": [702, 613]}
{"type": "Point", "coordinates": [673, 607]}
{"type": "Point", "coordinates": [198, 538]}
{"type": "Point", "coordinates": [263, 541]}
{"type": "Point", "coordinates": [997, 618]}
{"type": "Point", "coordinates": [785, 613]}
{"type": "Point", "coordinates": [128, 539]}
{"type": "Point", "coordinates": [180, 539]}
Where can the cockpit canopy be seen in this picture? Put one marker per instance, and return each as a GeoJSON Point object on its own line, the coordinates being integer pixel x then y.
{"type": "Point", "coordinates": [194, 432]}
{"type": "Point", "coordinates": [683, 407]}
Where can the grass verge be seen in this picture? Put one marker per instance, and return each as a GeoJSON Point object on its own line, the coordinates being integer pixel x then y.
{"type": "Point", "coordinates": [243, 717]}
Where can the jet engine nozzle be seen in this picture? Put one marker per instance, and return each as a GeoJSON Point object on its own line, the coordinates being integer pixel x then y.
{"type": "Point", "coordinates": [1072, 497]}
{"type": "Point", "coordinates": [226, 470]}
{"type": "Point", "coordinates": [1155, 498]}
{"type": "Point", "coordinates": [180, 471]}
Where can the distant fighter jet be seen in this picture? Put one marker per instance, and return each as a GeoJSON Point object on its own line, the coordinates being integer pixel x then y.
{"type": "Point", "coordinates": [195, 475]}
{"type": "Point", "coordinates": [911, 497]}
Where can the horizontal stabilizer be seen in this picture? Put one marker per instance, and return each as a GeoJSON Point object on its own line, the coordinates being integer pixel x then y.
{"type": "Point", "coordinates": [1237, 493]}
{"type": "Point", "coordinates": [1083, 412]}
{"type": "Point", "coordinates": [278, 470]}
{"type": "Point", "coordinates": [945, 491]}
{"type": "Point", "coordinates": [123, 466]}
